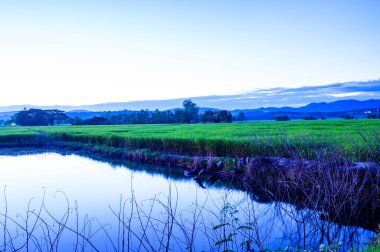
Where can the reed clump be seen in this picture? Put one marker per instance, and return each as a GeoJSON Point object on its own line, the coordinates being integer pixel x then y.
{"type": "Point", "coordinates": [160, 224]}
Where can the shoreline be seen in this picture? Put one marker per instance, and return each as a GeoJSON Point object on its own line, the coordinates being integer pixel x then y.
{"type": "Point", "coordinates": [345, 192]}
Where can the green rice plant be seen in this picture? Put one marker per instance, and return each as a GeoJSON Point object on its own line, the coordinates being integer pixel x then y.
{"type": "Point", "coordinates": [357, 140]}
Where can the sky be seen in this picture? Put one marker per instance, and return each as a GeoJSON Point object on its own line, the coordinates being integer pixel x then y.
{"type": "Point", "coordinates": [76, 52]}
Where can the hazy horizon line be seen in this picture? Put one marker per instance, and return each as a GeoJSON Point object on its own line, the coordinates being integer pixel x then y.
{"type": "Point", "coordinates": [245, 92]}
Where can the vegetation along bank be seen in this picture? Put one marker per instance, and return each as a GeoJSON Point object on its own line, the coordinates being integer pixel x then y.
{"type": "Point", "coordinates": [357, 140]}
{"type": "Point", "coordinates": [331, 165]}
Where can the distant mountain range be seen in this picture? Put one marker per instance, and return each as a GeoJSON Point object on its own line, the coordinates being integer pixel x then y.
{"type": "Point", "coordinates": [322, 109]}
{"type": "Point", "coordinates": [335, 109]}
{"type": "Point", "coordinates": [337, 106]}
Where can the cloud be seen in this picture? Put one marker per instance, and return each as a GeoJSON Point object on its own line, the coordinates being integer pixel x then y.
{"type": "Point", "coordinates": [295, 97]}
{"type": "Point", "coordinates": [347, 94]}
{"type": "Point", "coordinates": [273, 97]}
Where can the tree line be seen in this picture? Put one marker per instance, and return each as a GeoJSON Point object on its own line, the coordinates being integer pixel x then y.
{"type": "Point", "coordinates": [189, 113]}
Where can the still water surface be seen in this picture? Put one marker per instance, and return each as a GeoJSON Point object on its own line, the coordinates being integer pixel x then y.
{"type": "Point", "coordinates": [55, 202]}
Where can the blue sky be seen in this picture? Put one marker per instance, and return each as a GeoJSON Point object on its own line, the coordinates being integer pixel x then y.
{"type": "Point", "coordinates": [86, 52]}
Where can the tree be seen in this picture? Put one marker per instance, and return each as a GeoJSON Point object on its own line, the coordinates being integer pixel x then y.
{"type": "Point", "coordinates": [241, 116]}
{"type": "Point", "coordinates": [159, 117]}
{"type": "Point", "coordinates": [39, 117]}
{"type": "Point", "coordinates": [96, 120]}
{"type": "Point", "coordinates": [179, 116]}
{"type": "Point", "coordinates": [191, 111]}
{"type": "Point", "coordinates": [76, 121]}
{"type": "Point", "coordinates": [373, 116]}
{"type": "Point", "coordinates": [347, 117]}
{"type": "Point", "coordinates": [169, 117]}
{"type": "Point", "coordinates": [282, 118]}
{"type": "Point", "coordinates": [224, 116]}
{"type": "Point", "coordinates": [209, 116]}
{"type": "Point", "coordinates": [143, 116]}
{"type": "Point", "coordinates": [56, 117]}
{"type": "Point", "coordinates": [309, 117]}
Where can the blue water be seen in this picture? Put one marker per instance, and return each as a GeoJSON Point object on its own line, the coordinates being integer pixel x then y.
{"type": "Point", "coordinates": [54, 202]}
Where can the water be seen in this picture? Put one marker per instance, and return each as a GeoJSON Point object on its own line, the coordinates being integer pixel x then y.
{"type": "Point", "coordinates": [54, 202]}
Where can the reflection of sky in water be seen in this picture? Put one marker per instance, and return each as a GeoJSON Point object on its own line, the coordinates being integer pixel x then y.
{"type": "Point", "coordinates": [90, 182]}
{"type": "Point", "coordinates": [97, 187]}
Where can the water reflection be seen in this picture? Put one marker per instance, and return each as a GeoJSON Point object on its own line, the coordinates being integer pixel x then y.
{"type": "Point", "coordinates": [72, 203]}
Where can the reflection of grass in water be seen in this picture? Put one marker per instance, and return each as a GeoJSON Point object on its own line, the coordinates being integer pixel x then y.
{"type": "Point", "coordinates": [158, 224]}
{"type": "Point", "coordinates": [357, 139]}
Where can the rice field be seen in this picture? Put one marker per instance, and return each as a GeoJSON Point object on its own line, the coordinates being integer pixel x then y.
{"type": "Point", "coordinates": [355, 139]}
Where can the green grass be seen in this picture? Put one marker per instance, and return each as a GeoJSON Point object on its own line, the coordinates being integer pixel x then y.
{"type": "Point", "coordinates": [356, 139]}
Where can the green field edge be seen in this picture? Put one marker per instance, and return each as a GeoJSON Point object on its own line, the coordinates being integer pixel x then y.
{"type": "Point", "coordinates": [348, 141]}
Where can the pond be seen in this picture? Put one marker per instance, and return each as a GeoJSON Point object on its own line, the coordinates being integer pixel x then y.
{"type": "Point", "coordinates": [55, 202]}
